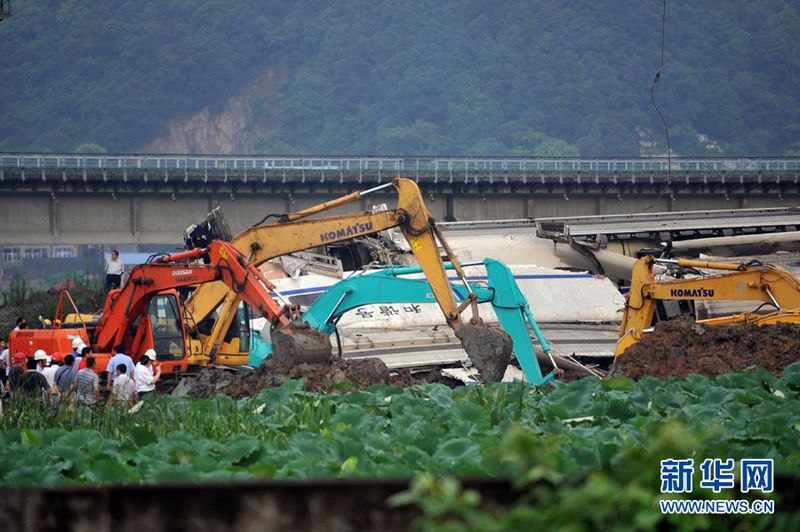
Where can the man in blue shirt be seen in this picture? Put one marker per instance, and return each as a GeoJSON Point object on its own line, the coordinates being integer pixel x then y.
{"type": "Point", "coordinates": [118, 359]}
{"type": "Point", "coordinates": [64, 377]}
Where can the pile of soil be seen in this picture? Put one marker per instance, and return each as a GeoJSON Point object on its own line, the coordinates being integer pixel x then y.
{"type": "Point", "coordinates": [680, 347]}
{"type": "Point", "coordinates": [337, 375]}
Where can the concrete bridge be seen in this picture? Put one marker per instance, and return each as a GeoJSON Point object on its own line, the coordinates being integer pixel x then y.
{"type": "Point", "coordinates": [51, 199]}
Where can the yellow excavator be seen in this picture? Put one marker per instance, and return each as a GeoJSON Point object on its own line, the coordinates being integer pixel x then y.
{"type": "Point", "coordinates": [292, 232]}
{"type": "Point", "coordinates": [750, 281]}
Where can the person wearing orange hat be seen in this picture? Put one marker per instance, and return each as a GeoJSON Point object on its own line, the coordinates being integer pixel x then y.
{"type": "Point", "coordinates": [17, 369]}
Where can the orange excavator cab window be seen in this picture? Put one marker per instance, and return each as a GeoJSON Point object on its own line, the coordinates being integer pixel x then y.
{"type": "Point", "coordinates": [167, 327]}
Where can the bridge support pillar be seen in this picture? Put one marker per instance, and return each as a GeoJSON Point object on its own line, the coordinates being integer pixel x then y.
{"type": "Point", "coordinates": [601, 205]}
{"type": "Point", "coordinates": [449, 208]}
{"type": "Point", "coordinates": [135, 209]}
{"type": "Point", "coordinates": [530, 212]}
{"type": "Point", "coordinates": [55, 226]}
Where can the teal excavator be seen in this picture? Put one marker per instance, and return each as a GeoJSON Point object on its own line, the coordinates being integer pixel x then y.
{"type": "Point", "coordinates": [392, 285]}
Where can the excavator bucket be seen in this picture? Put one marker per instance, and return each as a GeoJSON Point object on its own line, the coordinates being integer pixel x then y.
{"type": "Point", "coordinates": [489, 349]}
{"type": "Point", "coordinates": [214, 227]}
{"type": "Point", "coordinates": [300, 344]}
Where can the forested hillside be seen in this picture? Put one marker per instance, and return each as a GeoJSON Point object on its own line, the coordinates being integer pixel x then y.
{"type": "Point", "coordinates": [530, 77]}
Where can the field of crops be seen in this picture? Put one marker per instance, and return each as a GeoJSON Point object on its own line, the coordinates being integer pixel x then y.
{"type": "Point", "coordinates": [590, 438]}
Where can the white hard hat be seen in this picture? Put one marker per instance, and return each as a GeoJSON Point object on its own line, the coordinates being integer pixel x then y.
{"type": "Point", "coordinates": [77, 343]}
{"type": "Point", "coordinates": [151, 354]}
{"type": "Point", "coordinates": [40, 355]}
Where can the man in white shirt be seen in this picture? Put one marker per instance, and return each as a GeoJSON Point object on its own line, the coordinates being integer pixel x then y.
{"type": "Point", "coordinates": [41, 359]}
{"type": "Point", "coordinates": [50, 373]}
{"type": "Point", "coordinates": [143, 376]}
{"type": "Point", "coordinates": [124, 390]}
{"type": "Point", "coordinates": [5, 361]}
{"type": "Point", "coordinates": [114, 271]}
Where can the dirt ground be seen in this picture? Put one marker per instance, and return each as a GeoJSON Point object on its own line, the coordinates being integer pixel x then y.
{"type": "Point", "coordinates": [339, 375]}
{"type": "Point", "coordinates": [679, 347]}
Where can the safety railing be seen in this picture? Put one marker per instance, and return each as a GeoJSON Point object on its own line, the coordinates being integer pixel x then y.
{"type": "Point", "coordinates": [395, 164]}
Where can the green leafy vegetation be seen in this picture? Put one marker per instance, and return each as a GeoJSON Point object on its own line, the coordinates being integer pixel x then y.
{"type": "Point", "coordinates": [507, 78]}
{"type": "Point", "coordinates": [610, 428]}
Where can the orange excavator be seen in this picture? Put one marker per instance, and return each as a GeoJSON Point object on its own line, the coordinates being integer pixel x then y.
{"type": "Point", "coordinates": [146, 313]}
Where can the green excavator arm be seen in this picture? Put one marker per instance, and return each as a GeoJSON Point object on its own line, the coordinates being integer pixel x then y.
{"type": "Point", "coordinates": [392, 285]}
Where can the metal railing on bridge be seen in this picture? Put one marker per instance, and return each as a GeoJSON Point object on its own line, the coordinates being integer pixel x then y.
{"type": "Point", "coordinates": [407, 165]}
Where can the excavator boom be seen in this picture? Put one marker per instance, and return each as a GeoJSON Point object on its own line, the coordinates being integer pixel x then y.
{"type": "Point", "coordinates": [293, 233]}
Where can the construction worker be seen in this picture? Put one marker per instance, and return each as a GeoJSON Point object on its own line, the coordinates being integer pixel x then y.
{"type": "Point", "coordinates": [77, 349]}
{"type": "Point", "coordinates": [114, 270]}
{"type": "Point", "coordinates": [144, 377]}
{"type": "Point", "coordinates": [85, 352]}
{"type": "Point", "coordinates": [41, 359]}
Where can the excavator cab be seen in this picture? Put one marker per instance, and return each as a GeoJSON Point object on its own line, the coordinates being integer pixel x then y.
{"type": "Point", "coordinates": [166, 326]}
{"type": "Point", "coordinates": [161, 328]}
{"type": "Point", "coordinates": [235, 347]}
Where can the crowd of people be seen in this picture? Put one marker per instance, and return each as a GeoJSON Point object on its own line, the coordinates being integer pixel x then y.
{"type": "Point", "coordinates": [70, 380]}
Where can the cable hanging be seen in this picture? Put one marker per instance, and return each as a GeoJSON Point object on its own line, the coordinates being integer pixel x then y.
{"type": "Point", "coordinates": [656, 79]}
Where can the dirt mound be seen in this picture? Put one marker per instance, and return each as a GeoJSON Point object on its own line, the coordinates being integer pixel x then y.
{"type": "Point", "coordinates": [337, 375]}
{"type": "Point", "coordinates": [680, 347]}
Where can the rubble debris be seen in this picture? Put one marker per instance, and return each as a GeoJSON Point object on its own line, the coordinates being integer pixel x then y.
{"type": "Point", "coordinates": [680, 347]}
{"type": "Point", "coordinates": [338, 375]}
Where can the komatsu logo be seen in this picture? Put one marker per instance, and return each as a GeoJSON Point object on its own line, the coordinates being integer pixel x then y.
{"type": "Point", "coordinates": [178, 273]}
{"type": "Point", "coordinates": [692, 292]}
{"type": "Point", "coordinates": [356, 229]}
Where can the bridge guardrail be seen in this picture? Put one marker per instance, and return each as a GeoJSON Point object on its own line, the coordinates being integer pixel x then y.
{"type": "Point", "coordinates": [393, 164]}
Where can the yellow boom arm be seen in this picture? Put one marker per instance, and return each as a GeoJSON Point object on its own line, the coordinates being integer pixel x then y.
{"type": "Point", "coordinates": [293, 233]}
{"type": "Point", "coordinates": [742, 282]}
